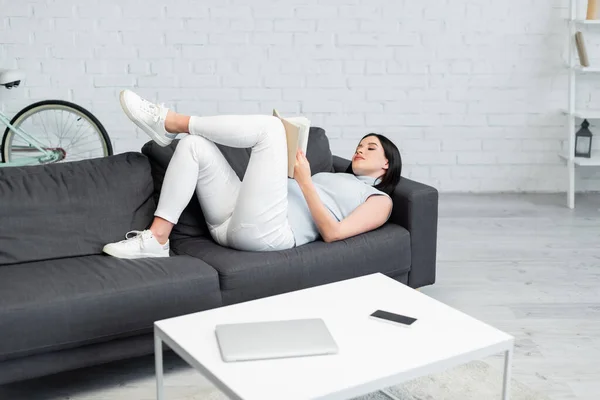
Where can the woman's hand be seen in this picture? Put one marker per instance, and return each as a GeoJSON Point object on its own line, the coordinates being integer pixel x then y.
{"type": "Point", "coordinates": [301, 168]}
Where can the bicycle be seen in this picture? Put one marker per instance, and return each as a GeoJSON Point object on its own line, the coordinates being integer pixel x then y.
{"type": "Point", "coordinates": [35, 135]}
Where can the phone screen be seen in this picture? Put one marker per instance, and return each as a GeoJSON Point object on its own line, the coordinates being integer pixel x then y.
{"type": "Point", "coordinates": [401, 319]}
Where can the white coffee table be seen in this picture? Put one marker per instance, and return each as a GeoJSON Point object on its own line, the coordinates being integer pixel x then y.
{"type": "Point", "coordinates": [372, 355]}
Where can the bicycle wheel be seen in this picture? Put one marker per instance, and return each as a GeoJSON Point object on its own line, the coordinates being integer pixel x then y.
{"type": "Point", "coordinates": [66, 129]}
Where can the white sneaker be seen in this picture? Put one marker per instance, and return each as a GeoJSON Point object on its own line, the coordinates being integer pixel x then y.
{"type": "Point", "coordinates": [143, 244]}
{"type": "Point", "coordinates": [148, 116]}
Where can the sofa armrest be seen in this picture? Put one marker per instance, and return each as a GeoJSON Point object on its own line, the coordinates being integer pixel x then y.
{"type": "Point", "coordinates": [416, 209]}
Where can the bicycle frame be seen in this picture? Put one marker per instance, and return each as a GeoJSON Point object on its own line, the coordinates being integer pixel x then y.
{"type": "Point", "coordinates": [46, 157]}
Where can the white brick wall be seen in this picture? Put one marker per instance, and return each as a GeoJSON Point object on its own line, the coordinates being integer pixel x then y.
{"type": "Point", "coordinates": [469, 90]}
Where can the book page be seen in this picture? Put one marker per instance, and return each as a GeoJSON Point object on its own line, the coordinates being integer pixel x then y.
{"type": "Point", "coordinates": [292, 134]}
{"type": "Point", "coordinates": [296, 132]}
{"type": "Point", "coordinates": [303, 125]}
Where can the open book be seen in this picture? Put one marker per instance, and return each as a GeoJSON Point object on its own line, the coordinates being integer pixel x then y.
{"type": "Point", "coordinates": [296, 132]}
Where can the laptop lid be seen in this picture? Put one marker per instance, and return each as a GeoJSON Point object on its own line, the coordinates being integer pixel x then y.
{"type": "Point", "coordinates": [274, 339]}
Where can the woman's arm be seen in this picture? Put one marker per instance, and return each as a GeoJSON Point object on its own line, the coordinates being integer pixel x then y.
{"type": "Point", "coordinates": [368, 216]}
{"type": "Point", "coordinates": [328, 226]}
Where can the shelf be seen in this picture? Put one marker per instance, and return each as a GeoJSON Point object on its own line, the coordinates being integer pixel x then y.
{"type": "Point", "coordinates": [594, 161]}
{"type": "Point", "coordinates": [586, 21]}
{"type": "Point", "coordinates": [583, 114]}
{"type": "Point", "coordinates": [579, 68]}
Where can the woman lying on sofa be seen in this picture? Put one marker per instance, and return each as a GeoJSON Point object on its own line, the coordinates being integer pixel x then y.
{"type": "Point", "coordinates": [266, 211]}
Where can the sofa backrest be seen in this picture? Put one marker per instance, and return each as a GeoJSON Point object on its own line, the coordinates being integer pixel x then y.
{"type": "Point", "coordinates": [192, 222]}
{"type": "Point", "coordinates": [72, 209]}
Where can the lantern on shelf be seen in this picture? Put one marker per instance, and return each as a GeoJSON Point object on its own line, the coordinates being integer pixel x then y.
{"type": "Point", "coordinates": [583, 141]}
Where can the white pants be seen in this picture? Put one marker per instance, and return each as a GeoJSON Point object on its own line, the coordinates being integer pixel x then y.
{"type": "Point", "coordinates": [249, 215]}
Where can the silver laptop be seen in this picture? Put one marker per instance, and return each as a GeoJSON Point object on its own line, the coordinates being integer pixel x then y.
{"type": "Point", "coordinates": [274, 339]}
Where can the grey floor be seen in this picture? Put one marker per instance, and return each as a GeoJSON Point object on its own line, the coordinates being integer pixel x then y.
{"type": "Point", "coordinates": [523, 263]}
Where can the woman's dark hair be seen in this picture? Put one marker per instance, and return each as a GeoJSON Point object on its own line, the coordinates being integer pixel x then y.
{"type": "Point", "coordinates": [390, 179]}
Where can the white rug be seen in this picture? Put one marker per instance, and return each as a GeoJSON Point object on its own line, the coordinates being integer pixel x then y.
{"type": "Point", "coordinates": [476, 380]}
{"type": "Point", "coordinates": [134, 380]}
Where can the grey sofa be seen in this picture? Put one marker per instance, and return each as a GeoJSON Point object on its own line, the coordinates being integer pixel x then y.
{"type": "Point", "coordinates": [64, 305]}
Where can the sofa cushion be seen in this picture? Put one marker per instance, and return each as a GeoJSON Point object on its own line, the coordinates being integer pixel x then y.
{"type": "Point", "coordinates": [72, 209]}
{"type": "Point", "coordinates": [58, 304]}
{"type": "Point", "coordinates": [191, 222]}
{"type": "Point", "coordinates": [250, 275]}
{"type": "Point", "coordinates": [318, 151]}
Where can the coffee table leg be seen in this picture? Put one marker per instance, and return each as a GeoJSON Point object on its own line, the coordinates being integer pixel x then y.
{"type": "Point", "coordinates": [506, 382]}
{"type": "Point", "coordinates": [158, 358]}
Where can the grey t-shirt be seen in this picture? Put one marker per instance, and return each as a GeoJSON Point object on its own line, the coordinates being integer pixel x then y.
{"type": "Point", "coordinates": [341, 193]}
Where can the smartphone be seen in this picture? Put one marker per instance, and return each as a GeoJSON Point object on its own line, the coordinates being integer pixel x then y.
{"type": "Point", "coordinates": [402, 320]}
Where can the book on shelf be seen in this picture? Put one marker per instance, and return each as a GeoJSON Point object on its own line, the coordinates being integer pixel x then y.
{"type": "Point", "coordinates": [592, 10]}
{"type": "Point", "coordinates": [296, 132]}
{"type": "Point", "coordinates": [581, 50]}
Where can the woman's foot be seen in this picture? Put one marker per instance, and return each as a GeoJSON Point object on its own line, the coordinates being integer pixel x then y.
{"type": "Point", "coordinates": [142, 245]}
{"type": "Point", "coordinates": [148, 116]}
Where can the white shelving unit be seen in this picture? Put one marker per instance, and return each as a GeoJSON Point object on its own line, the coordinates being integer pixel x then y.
{"type": "Point", "coordinates": [574, 115]}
